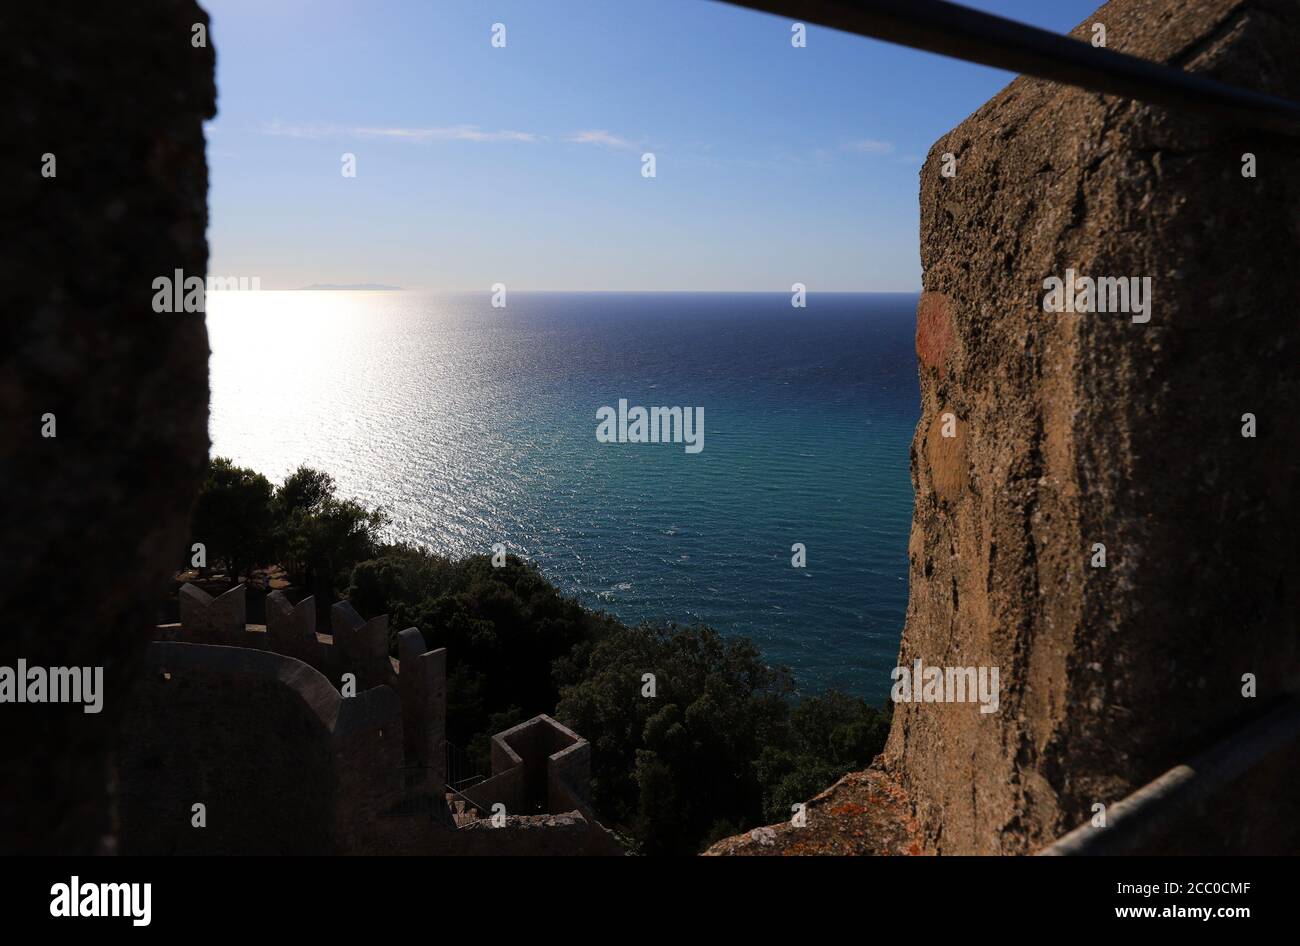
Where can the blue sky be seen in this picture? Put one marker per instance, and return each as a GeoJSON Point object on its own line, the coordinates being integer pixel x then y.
{"type": "Point", "coordinates": [522, 165]}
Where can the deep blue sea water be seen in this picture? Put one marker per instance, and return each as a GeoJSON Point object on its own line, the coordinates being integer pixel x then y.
{"type": "Point", "coordinates": [474, 425]}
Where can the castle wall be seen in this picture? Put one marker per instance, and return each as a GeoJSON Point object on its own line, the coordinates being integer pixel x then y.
{"type": "Point", "coordinates": [214, 620]}
{"type": "Point", "coordinates": [361, 646]}
{"type": "Point", "coordinates": [369, 754]}
{"type": "Point", "coordinates": [291, 629]}
{"type": "Point", "coordinates": [246, 733]}
{"type": "Point", "coordinates": [282, 761]}
{"type": "Point", "coordinates": [568, 778]}
{"type": "Point", "coordinates": [507, 785]}
{"type": "Point", "coordinates": [356, 646]}
{"type": "Point", "coordinates": [423, 687]}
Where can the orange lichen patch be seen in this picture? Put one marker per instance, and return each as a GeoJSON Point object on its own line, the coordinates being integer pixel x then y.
{"type": "Point", "coordinates": [863, 813]}
{"type": "Point", "coordinates": [934, 332]}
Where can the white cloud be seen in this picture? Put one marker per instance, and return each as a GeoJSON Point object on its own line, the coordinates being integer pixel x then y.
{"type": "Point", "coordinates": [454, 133]}
{"type": "Point", "coordinates": [870, 146]}
{"type": "Point", "coordinates": [299, 130]}
{"type": "Point", "coordinates": [606, 139]}
{"type": "Point", "coordinates": [451, 133]}
{"type": "Point", "coordinates": [590, 136]}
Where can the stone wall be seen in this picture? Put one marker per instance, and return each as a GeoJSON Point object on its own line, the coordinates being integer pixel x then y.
{"type": "Point", "coordinates": [118, 95]}
{"type": "Point", "coordinates": [1073, 430]}
{"type": "Point", "coordinates": [283, 763]}
{"type": "Point", "coordinates": [423, 687]}
{"type": "Point", "coordinates": [248, 734]}
{"type": "Point", "coordinates": [384, 746]}
{"type": "Point", "coordinates": [568, 777]}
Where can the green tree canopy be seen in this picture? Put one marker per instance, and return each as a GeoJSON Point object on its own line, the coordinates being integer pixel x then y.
{"type": "Point", "coordinates": [233, 517]}
{"type": "Point", "coordinates": [676, 768]}
{"type": "Point", "coordinates": [304, 490]}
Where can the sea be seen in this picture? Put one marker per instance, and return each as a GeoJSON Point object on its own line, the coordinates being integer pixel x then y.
{"type": "Point", "coordinates": [473, 424]}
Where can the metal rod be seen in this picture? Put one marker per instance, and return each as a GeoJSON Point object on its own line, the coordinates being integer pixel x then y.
{"type": "Point", "coordinates": [953, 30]}
{"type": "Point", "coordinates": [1150, 811]}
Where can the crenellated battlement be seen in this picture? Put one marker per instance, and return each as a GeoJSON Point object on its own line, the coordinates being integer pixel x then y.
{"type": "Point", "coordinates": [230, 709]}
{"type": "Point", "coordinates": [208, 620]}
{"type": "Point", "coordinates": [356, 645]}
{"type": "Point", "coordinates": [291, 628]}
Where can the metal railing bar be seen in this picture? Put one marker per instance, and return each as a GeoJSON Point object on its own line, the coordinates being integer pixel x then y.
{"type": "Point", "coordinates": [952, 30]}
{"type": "Point", "coordinates": [477, 806]}
{"type": "Point", "coordinates": [1150, 811]}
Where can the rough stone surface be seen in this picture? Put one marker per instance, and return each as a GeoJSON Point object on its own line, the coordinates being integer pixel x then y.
{"type": "Point", "coordinates": [219, 620]}
{"type": "Point", "coordinates": [249, 735]}
{"type": "Point", "coordinates": [118, 94]}
{"type": "Point", "coordinates": [361, 645]}
{"type": "Point", "coordinates": [864, 813]}
{"type": "Point", "coordinates": [292, 628]}
{"type": "Point", "coordinates": [423, 688]}
{"type": "Point", "coordinates": [1075, 429]}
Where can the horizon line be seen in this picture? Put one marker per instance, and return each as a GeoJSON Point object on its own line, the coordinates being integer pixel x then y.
{"type": "Point", "coordinates": [755, 292]}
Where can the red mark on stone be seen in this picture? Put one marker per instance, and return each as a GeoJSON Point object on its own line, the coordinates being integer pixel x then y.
{"type": "Point", "coordinates": [934, 335]}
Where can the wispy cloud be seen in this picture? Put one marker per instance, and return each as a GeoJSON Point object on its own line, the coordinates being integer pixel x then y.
{"type": "Point", "coordinates": [454, 133]}
{"type": "Point", "coordinates": [605, 139]}
{"type": "Point", "coordinates": [870, 146]}
{"type": "Point", "coordinates": [448, 133]}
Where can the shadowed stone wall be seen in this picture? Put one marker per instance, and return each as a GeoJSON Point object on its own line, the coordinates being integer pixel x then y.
{"type": "Point", "coordinates": [248, 734]}
{"type": "Point", "coordinates": [94, 520]}
{"type": "Point", "coordinates": [284, 765]}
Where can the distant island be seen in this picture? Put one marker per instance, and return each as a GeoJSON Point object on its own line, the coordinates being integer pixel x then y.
{"type": "Point", "coordinates": [353, 287]}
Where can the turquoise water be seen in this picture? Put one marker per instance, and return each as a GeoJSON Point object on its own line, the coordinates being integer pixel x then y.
{"type": "Point", "coordinates": [474, 425]}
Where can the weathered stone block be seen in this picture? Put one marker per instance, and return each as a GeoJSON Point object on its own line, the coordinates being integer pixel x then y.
{"type": "Point", "coordinates": [207, 620]}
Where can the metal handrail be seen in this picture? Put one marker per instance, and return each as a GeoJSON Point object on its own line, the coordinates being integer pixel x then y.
{"type": "Point", "coordinates": [460, 769]}
{"type": "Point", "coordinates": [478, 806]}
{"type": "Point", "coordinates": [1150, 811]}
{"type": "Point", "coordinates": [962, 33]}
